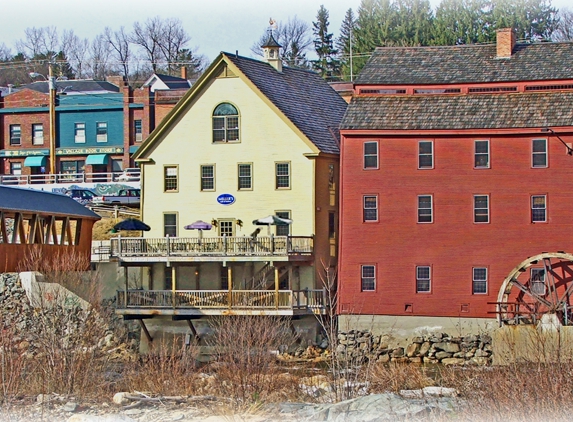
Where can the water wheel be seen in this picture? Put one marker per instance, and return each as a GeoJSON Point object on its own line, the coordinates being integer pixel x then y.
{"type": "Point", "coordinates": [542, 284]}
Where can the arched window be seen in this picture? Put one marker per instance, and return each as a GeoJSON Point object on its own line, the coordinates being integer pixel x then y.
{"type": "Point", "coordinates": [225, 123]}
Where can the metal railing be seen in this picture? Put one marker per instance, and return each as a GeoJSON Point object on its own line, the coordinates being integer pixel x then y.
{"type": "Point", "coordinates": [30, 179]}
{"type": "Point", "coordinates": [211, 246]}
{"type": "Point", "coordinates": [221, 299]}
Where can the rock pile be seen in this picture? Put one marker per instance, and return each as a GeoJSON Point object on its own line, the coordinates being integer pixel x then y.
{"type": "Point", "coordinates": [361, 346]}
{"type": "Point", "coordinates": [27, 325]}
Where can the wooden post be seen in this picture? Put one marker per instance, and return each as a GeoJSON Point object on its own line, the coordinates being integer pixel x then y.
{"type": "Point", "coordinates": [125, 273]}
{"type": "Point", "coordinates": [276, 287]}
{"type": "Point", "coordinates": [230, 286]}
{"type": "Point", "coordinates": [173, 285]}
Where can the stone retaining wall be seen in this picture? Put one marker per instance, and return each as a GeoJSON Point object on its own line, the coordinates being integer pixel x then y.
{"type": "Point", "coordinates": [435, 348]}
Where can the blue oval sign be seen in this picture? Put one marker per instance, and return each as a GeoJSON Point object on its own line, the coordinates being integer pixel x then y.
{"type": "Point", "coordinates": [226, 199]}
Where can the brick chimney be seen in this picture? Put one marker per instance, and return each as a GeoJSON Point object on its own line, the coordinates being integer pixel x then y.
{"type": "Point", "coordinates": [505, 42]}
{"type": "Point", "coordinates": [183, 72]}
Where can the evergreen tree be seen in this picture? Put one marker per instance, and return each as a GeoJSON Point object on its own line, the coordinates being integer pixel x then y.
{"type": "Point", "coordinates": [327, 64]}
{"type": "Point", "coordinates": [414, 22]}
{"type": "Point", "coordinates": [343, 46]}
{"type": "Point", "coordinates": [461, 22]}
{"type": "Point", "coordinates": [531, 19]}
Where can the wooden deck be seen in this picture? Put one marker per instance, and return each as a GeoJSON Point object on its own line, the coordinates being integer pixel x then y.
{"type": "Point", "coordinates": [220, 302]}
{"type": "Point", "coordinates": [168, 249]}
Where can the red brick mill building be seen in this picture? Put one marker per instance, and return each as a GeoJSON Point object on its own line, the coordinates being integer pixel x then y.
{"type": "Point", "coordinates": [454, 169]}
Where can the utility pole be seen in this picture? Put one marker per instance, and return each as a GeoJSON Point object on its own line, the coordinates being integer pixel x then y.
{"type": "Point", "coordinates": [52, 106]}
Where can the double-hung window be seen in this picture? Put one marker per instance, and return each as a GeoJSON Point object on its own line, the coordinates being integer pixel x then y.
{"type": "Point", "coordinates": [539, 153]}
{"type": "Point", "coordinates": [170, 224]}
{"type": "Point", "coordinates": [245, 174]}
{"type": "Point", "coordinates": [368, 278]}
{"type": "Point", "coordinates": [481, 209]}
{"type": "Point", "coordinates": [538, 209]}
{"type": "Point", "coordinates": [481, 155]}
{"type": "Point", "coordinates": [425, 206]}
{"type": "Point", "coordinates": [80, 133]}
{"type": "Point", "coordinates": [537, 281]}
{"type": "Point", "coordinates": [423, 279]}
{"type": "Point", "coordinates": [425, 155]}
{"type": "Point", "coordinates": [138, 130]}
{"type": "Point", "coordinates": [208, 177]}
{"type": "Point", "coordinates": [15, 135]}
{"type": "Point", "coordinates": [479, 280]}
{"type": "Point", "coordinates": [370, 208]}
{"type": "Point", "coordinates": [37, 134]}
{"type": "Point", "coordinates": [370, 155]}
{"type": "Point", "coordinates": [170, 179]}
{"type": "Point", "coordinates": [225, 123]}
{"type": "Point", "coordinates": [282, 230]}
{"type": "Point", "coordinates": [101, 131]}
{"type": "Point", "coordinates": [282, 175]}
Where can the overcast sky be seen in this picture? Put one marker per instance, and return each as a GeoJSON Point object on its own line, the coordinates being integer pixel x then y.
{"type": "Point", "coordinates": [214, 25]}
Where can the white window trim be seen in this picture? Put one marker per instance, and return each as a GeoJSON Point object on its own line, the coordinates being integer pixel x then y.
{"type": "Point", "coordinates": [102, 137]}
{"type": "Point", "coordinates": [429, 267]}
{"type": "Point", "coordinates": [481, 153]}
{"type": "Point", "coordinates": [544, 208]}
{"type": "Point", "coordinates": [474, 280]}
{"type": "Point", "coordinates": [431, 209]}
{"type": "Point", "coordinates": [37, 140]}
{"type": "Point", "coordinates": [539, 153]}
{"type": "Point", "coordinates": [79, 139]}
{"type": "Point", "coordinates": [251, 179]}
{"type": "Point", "coordinates": [288, 163]}
{"type": "Point", "coordinates": [364, 209]}
{"type": "Point", "coordinates": [475, 209]}
{"type": "Point", "coordinates": [362, 289]}
{"type": "Point", "coordinates": [364, 155]}
{"type": "Point", "coordinates": [425, 154]}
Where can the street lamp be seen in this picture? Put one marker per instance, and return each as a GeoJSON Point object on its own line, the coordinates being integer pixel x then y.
{"type": "Point", "coordinates": [52, 111]}
{"type": "Point", "coordinates": [549, 130]}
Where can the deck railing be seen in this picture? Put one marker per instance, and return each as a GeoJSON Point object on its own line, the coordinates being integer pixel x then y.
{"type": "Point", "coordinates": [211, 246]}
{"type": "Point", "coordinates": [221, 299]}
{"type": "Point", "coordinates": [30, 179]}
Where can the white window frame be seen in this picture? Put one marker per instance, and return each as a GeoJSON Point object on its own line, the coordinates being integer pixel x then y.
{"type": "Point", "coordinates": [422, 209]}
{"type": "Point", "coordinates": [535, 209]}
{"type": "Point", "coordinates": [481, 154]}
{"type": "Point", "coordinates": [37, 134]}
{"type": "Point", "coordinates": [424, 280]}
{"type": "Point", "coordinates": [277, 175]}
{"type": "Point", "coordinates": [535, 154]}
{"type": "Point", "coordinates": [477, 280]}
{"type": "Point", "coordinates": [368, 281]}
{"type": "Point", "coordinates": [425, 154]}
{"type": "Point", "coordinates": [364, 208]}
{"type": "Point", "coordinates": [203, 178]}
{"type": "Point", "coordinates": [101, 131]}
{"type": "Point", "coordinates": [367, 155]}
{"type": "Point", "coordinates": [165, 226]}
{"type": "Point", "coordinates": [243, 177]}
{"type": "Point", "coordinates": [16, 134]}
{"type": "Point", "coordinates": [481, 208]}
{"type": "Point", "coordinates": [138, 130]}
{"type": "Point", "coordinates": [170, 174]}
{"type": "Point", "coordinates": [80, 133]}
{"type": "Point", "coordinates": [535, 281]}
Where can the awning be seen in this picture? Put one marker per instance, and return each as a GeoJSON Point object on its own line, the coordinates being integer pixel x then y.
{"type": "Point", "coordinates": [36, 161]}
{"type": "Point", "coordinates": [96, 159]}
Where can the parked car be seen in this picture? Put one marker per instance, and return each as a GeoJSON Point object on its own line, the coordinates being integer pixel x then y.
{"type": "Point", "coordinates": [83, 196]}
{"type": "Point", "coordinates": [127, 197]}
{"type": "Point", "coordinates": [130, 175]}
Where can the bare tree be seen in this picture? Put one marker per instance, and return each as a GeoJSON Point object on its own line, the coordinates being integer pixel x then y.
{"type": "Point", "coordinates": [38, 41]}
{"type": "Point", "coordinates": [295, 37]}
{"type": "Point", "coordinates": [148, 37]}
{"type": "Point", "coordinates": [119, 42]}
{"type": "Point", "coordinates": [100, 52]}
{"type": "Point", "coordinates": [5, 53]}
{"type": "Point", "coordinates": [76, 50]}
{"type": "Point", "coordinates": [564, 30]}
{"type": "Point", "coordinates": [173, 43]}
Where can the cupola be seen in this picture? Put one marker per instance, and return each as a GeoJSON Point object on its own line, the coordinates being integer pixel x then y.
{"type": "Point", "coordinates": [271, 49]}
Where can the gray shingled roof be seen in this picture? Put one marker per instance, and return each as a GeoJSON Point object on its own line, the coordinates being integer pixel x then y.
{"type": "Point", "coordinates": [35, 201]}
{"type": "Point", "coordinates": [467, 64]}
{"type": "Point", "coordinates": [74, 86]}
{"type": "Point", "coordinates": [477, 111]}
{"type": "Point", "coordinates": [303, 96]}
{"type": "Point", "coordinates": [173, 82]}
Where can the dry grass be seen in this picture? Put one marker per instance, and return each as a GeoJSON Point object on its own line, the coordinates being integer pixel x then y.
{"type": "Point", "coordinates": [393, 377]}
{"type": "Point", "coordinates": [102, 229]}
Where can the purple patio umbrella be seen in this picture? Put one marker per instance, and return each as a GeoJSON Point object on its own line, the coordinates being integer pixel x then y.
{"type": "Point", "coordinates": [199, 225]}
